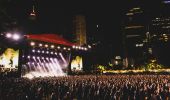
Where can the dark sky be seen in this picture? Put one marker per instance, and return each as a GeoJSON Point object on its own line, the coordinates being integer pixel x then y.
{"type": "Point", "coordinates": [54, 16]}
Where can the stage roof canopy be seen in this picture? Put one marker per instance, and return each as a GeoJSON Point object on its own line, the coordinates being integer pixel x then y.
{"type": "Point", "coordinates": [51, 38]}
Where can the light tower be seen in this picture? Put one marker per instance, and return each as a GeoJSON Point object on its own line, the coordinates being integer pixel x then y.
{"type": "Point", "coordinates": [32, 15]}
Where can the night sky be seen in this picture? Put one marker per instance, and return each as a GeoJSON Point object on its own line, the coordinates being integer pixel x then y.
{"type": "Point", "coordinates": [54, 16]}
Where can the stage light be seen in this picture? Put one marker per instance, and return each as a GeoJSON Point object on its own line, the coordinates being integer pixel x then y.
{"type": "Point", "coordinates": [38, 51]}
{"type": "Point", "coordinates": [38, 57]}
{"type": "Point", "coordinates": [42, 51]}
{"type": "Point", "coordinates": [85, 49]}
{"type": "Point", "coordinates": [60, 53]}
{"type": "Point", "coordinates": [16, 37]}
{"type": "Point", "coordinates": [47, 52]}
{"type": "Point", "coordinates": [33, 57]}
{"type": "Point", "coordinates": [89, 46]}
{"type": "Point", "coordinates": [42, 57]}
{"type": "Point", "coordinates": [81, 48]}
{"type": "Point", "coordinates": [55, 53]}
{"type": "Point", "coordinates": [52, 46]}
{"type": "Point", "coordinates": [51, 52]}
{"type": "Point", "coordinates": [47, 58]}
{"type": "Point", "coordinates": [33, 50]}
{"type": "Point", "coordinates": [33, 63]}
{"type": "Point", "coordinates": [69, 49]}
{"type": "Point", "coordinates": [46, 45]}
{"type": "Point", "coordinates": [8, 35]}
{"type": "Point", "coordinates": [32, 43]}
{"type": "Point", "coordinates": [40, 45]}
{"type": "Point", "coordinates": [73, 46]}
{"type": "Point", "coordinates": [28, 56]}
{"type": "Point", "coordinates": [77, 47]}
{"type": "Point", "coordinates": [58, 47]}
{"type": "Point", "coordinates": [64, 48]}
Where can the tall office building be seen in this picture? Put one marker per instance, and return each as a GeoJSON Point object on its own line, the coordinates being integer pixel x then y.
{"type": "Point", "coordinates": [134, 33]}
{"type": "Point", "coordinates": [79, 30]}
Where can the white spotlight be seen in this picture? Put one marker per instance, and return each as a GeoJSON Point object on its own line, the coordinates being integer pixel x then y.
{"type": "Point", "coordinates": [38, 51]}
{"type": "Point", "coordinates": [38, 57]}
{"type": "Point", "coordinates": [16, 37]}
{"type": "Point", "coordinates": [42, 51]}
{"type": "Point", "coordinates": [89, 46]}
{"type": "Point", "coordinates": [47, 52]}
{"type": "Point", "coordinates": [55, 53]}
{"type": "Point", "coordinates": [46, 45]}
{"type": "Point", "coordinates": [32, 43]}
{"type": "Point", "coordinates": [85, 49]}
{"type": "Point", "coordinates": [52, 46]}
{"type": "Point", "coordinates": [28, 56]}
{"type": "Point", "coordinates": [58, 47]}
{"type": "Point", "coordinates": [42, 57]}
{"type": "Point", "coordinates": [51, 52]}
{"type": "Point", "coordinates": [33, 50]}
{"type": "Point", "coordinates": [73, 46]}
{"type": "Point", "coordinates": [69, 49]}
{"type": "Point", "coordinates": [40, 45]}
{"type": "Point", "coordinates": [8, 35]}
{"type": "Point", "coordinates": [33, 57]}
{"type": "Point", "coordinates": [64, 48]}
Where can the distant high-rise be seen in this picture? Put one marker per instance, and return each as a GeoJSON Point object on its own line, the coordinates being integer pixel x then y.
{"type": "Point", "coordinates": [134, 30]}
{"type": "Point", "coordinates": [79, 29]}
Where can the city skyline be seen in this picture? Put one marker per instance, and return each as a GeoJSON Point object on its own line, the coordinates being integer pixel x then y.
{"type": "Point", "coordinates": [56, 17]}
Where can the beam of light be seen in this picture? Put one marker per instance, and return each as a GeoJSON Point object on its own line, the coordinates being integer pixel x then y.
{"type": "Point", "coordinates": [45, 66]}
{"type": "Point", "coordinates": [65, 62]}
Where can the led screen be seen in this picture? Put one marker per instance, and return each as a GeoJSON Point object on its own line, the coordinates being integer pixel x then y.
{"type": "Point", "coordinates": [9, 59]}
{"type": "Point", "coordinates": [77, 63]}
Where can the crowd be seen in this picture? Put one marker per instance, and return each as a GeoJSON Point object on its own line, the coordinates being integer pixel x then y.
{"type": "Point", "coordinates": [87, 87]}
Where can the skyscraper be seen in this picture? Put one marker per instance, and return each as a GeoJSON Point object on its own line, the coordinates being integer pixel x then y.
{"type": "Point", "coordinates": [134, 31]}
{"type": "Point", "coordinates": [79, 29]}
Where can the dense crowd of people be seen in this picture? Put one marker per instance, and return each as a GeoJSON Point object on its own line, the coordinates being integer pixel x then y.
{"type": "Point", "coordinates": [87, 87]}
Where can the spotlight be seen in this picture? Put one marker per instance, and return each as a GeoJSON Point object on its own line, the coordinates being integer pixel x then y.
{"type": "Point", "coordinates": [69, 49]}
{"type": "Point", "coordinates": [46, 45]}
{"type": "Point", "coordinates": [42, 57]}
{"type": "Point", "coordinates": [16, 37]}
{"type": "Point", "coordinates": [64, 48]}
{"type": "Point", "coordinates": [85, 49]}
{"type": "Point", "coordinates": [38, 51]}
{"type": "Point", "coordinates": [38, 57]}
{"type": "Point", "coordinates": [47, 52]}
{"type": "Point", "coordinates": [33, 63]}
{"type": "Point", "coordinates": [58, 47]}
{"type": "Point", "coordinates": [8, 35]}
{"type": "Point", "coordinates": [28, 56]}
{"type": "Point", "coordinates": [51, 52]}
{"type": "Point", "coordinates": [77, 47]}
{"type": "Point", "coordinates": [52, 46]}
{"type": "Point", "coordinates": [59, 53]}
{"type": "Point", "coordinates": [55, 53]}
{"type": "Point", "coordinates": [42, 51]}
{"type": "Point", "coordinates": [33, 57]}
{"type": "Point", "coordinates": [32, 43]}
{"type": "Point", "coordinates": [33, 50]}
{"type": "Point", "coordinates": [40, 45]}
{"type": "Point", "coordinates": [89, 46]}
{"type": "Point", "coordinates": [47, 58]}
{"type": "Point", "coordinates": [73, 46]}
